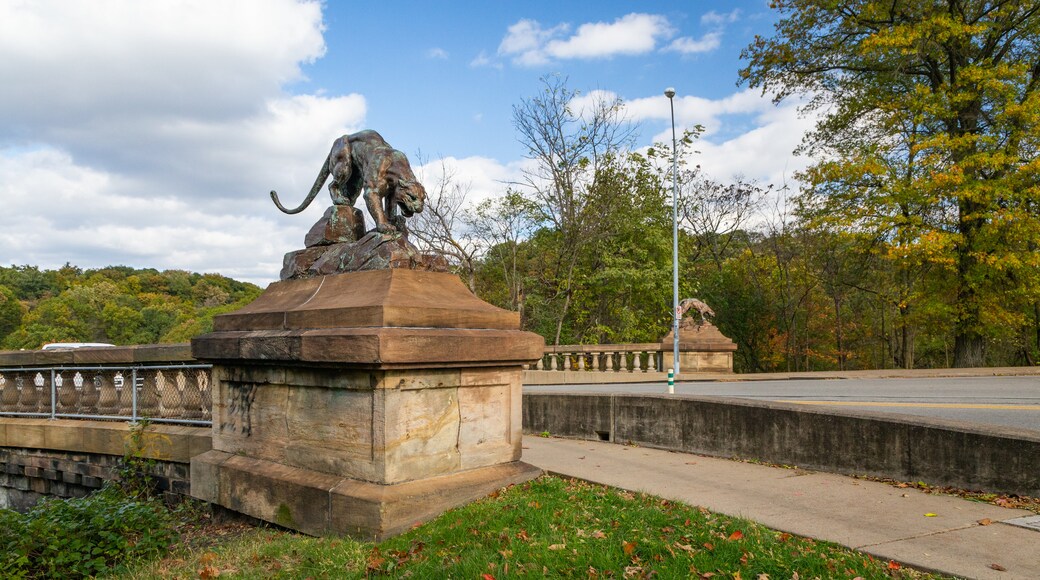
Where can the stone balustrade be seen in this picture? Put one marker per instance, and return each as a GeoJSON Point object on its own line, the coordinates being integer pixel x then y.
{"type": "Point", "coordinates": [161, 383]}
{"type": "Point", "coordinates": [611, 358]}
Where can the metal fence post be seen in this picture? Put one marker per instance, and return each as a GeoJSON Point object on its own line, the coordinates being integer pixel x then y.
{"type": "Point", "coordinates": [133, 395]}
{"type": "Point", "coordinates": [54, 397]}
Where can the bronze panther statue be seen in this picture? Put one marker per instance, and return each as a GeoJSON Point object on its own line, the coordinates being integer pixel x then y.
{"type": "Point", "coordinates": [364, 160]}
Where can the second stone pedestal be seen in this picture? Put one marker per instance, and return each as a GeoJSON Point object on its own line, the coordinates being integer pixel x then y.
{"type": "Point", "coordinates": [363, 403]}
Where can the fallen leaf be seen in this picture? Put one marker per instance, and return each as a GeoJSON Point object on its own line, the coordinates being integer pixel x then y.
{"type": "Point", "coordinates": [631, 571]}
{"type": "Point", "coordinates": [736, 575]}
{"type": "Point", "coordinates": [628, 547]}
{"type": "Point", "coordinates": [375, 560]}
{"type": "Point", "coordinates": [766, 577]}
{"type": "Point", "coordinates": [557, 546]}
{"type": "Point", "coordinates": [707, 575]}
{"type": "Point", "coordinates": [208, 572]}
{"type": "Point", "coordinates": [893, 565]}
{"type": "Point", "coordinates": [737, 535]}
{"type": "Point", "coordinates": [522, 535]}
{"type": "Point", "coordinates": [207, 558]}
{"type": "Point", "coordinates": [685, 548]}
{"type": "Point", "coordinates": [598, 534]}
{"type": "Point", "coordinates": [709, 546]}
{"type": "Point", "coordinates": [998, 567]}
{"type": "Point", "coordinates": [784, 537]}
{"type": "Point", "coordinates": [985, 522]}
{"type": "Point", "coordinates": [487, 577]}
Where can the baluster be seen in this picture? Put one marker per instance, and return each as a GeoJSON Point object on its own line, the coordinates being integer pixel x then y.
{"type": "Point", "coordinates": [538, 366]}
{"type": "Point", "coordinates": [552, 362]}
{"type": "Point", "coordinates": [594, 360]}
{"type": "Point", "coordinates": [66, 393]}
{"type": "Point", "coordinates": [8, 394]}
{"type": "Point", "coordinates": [151, 386]}
{"type": "Point", "coordinates": [651, 363]}
{"type": "Point", "coordinates": [635, 361]}
{"type": "Point", "coordinates": [581, 361]}
{"type": "Point", "coordinates": [41, 395]}
{"type": "Point", "coordinates": [124, 392]}
{"type": "Point", "coordinates": [610, 362]}
{"type": "Point", "coordinates": [566, 361]}
{"type": "Point", "coordinates": [107, 399]}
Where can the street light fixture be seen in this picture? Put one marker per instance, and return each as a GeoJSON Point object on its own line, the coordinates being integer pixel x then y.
{"type": "Point", "coordinates": [670, 93]}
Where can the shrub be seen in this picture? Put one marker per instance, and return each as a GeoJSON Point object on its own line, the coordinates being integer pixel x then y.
{"type": "Point", "coordinates": [75, 538]}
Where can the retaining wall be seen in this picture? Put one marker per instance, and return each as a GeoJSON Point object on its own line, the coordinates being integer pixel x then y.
{"type": "Point", "coordinates": [71, 458]}
{"type": "Point", "coordinates": [936, 451]}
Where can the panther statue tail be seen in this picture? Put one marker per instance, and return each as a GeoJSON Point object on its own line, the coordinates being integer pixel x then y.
{"type": "Point", "coordinates": [320, 181]}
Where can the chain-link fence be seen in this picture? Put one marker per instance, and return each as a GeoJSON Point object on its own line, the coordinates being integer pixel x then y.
{"type": "Point", "coordinates": [159, 393]}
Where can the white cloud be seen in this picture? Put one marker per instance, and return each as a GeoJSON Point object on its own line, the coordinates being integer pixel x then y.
{"type": "Point", "coordinates": [529, 44]}
{"type": "Point", "coordinates": [437, 53]}
{"type": "Point", "coordinates": [482, 59]}
{"type": "Point", "coordinates": [150, 133]}
{"type": "Point", "coordinates": [687, 45]}
{"type": "Point", "coordinates": [713, 18]}
{"type": "Point", "coordinates": [631, 34]}
{"type": "Point", "coordinates": [745, 134]}
{"type": "Point", "coordinates": [483, 177]}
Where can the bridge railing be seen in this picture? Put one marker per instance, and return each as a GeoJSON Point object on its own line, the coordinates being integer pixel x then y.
{"type": "Point", "coordinates": [620, 358]}
{"type": "Point", "coordinates": [122, 384]}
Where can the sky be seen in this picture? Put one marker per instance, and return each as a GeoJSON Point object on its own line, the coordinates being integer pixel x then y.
{"type": "Point", "coordinates": [148, 134]}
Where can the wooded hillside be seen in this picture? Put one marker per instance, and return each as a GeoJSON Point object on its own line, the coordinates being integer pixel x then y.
{"type": "Point", "coordinates": [118, 304]}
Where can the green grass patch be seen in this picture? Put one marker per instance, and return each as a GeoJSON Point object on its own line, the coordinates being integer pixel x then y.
{"type": "Point", "coordinates": [550, 526]}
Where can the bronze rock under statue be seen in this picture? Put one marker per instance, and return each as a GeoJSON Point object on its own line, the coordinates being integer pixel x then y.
{"type": "Point", "coordinates": [338, 242]}
{"type": "Point", "coordinates": [364, 160]}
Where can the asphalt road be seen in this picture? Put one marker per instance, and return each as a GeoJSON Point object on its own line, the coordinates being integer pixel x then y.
{"type": "Point", "coordinates": [1007, 401]}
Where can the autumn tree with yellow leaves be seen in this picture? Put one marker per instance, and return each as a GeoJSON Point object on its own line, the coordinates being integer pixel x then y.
{"type": "Point", "coordinates": [927, 141]}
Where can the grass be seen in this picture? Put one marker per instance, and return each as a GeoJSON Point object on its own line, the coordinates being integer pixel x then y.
{"type": "Point", "coordinates": [547, 527]}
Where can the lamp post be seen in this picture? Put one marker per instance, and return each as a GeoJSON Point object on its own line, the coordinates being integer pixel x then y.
{"type": "Point", "coordinates": [670, 93]}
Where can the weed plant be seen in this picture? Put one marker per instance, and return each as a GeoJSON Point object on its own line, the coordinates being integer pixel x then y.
{"type": "Point", "coordinates": [78, 538]}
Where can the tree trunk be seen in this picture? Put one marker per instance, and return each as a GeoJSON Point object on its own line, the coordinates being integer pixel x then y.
{"type": "Point", "coordinates": [969, 346]}
{"type": "Point", "coordinates": [969, 350]}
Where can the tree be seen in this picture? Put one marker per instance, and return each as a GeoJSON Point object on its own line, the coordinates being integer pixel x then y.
{"type": "Point", "coordinates": [443, 227]}
{"type": "Point", "coordinates": [570, 140]}
{"type": "Point", "coordinates": [504, 224]}
{"type": "Point", "coordinates": [929, 131]}
{"type": "Point", "coordinates": [11, 312]}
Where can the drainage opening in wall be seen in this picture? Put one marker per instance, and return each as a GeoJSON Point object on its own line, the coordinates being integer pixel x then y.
{"type": "Point", "coordinates": [603, 435]}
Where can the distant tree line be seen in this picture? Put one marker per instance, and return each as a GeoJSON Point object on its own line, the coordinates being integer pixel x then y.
{"type": "Point", "coordinates": [118, 304]}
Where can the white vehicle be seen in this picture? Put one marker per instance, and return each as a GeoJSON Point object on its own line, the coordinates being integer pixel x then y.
{"type": "Point", "coordinates": [69, 345]}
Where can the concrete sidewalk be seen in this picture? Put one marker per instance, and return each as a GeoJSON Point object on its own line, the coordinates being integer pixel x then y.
{"type": "Point", "coordinates": [875, 518]}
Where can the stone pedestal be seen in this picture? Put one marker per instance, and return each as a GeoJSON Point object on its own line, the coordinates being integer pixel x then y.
{"type": "Point", "coordinates": [362, 403]}
{"type": "Point", "coordinates": [702, 348]}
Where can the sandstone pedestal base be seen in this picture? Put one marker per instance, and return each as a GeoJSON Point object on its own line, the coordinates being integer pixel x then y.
{"type": "Point", "coordinates": [363, 403]}
{"type": "Point", "coordinates": [321, 504]}
{"type": "Point", "coordinates": [702, 348]}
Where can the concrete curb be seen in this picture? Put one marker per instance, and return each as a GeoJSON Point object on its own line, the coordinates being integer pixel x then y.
{"type": "Point", "coordinates": [937, 451]}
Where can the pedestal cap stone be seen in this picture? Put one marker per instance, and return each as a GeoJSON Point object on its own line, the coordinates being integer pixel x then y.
{"type": "Point", "coordinates": [379, 318]}
{"type": "Point", "coordinates": [704, 337]}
